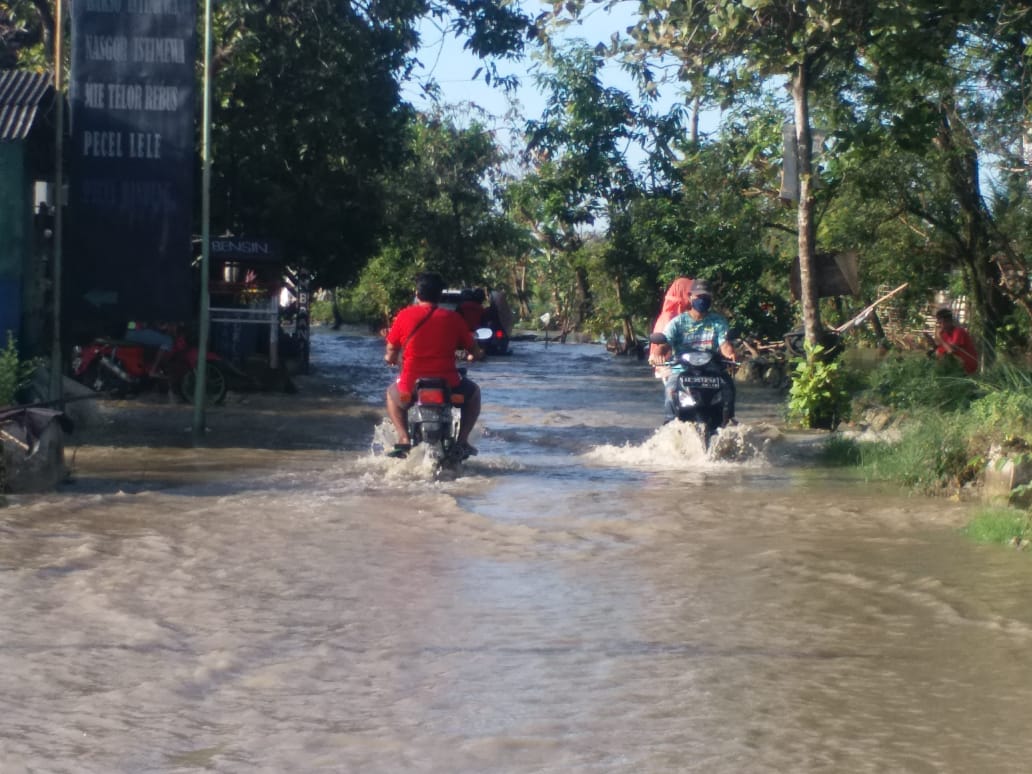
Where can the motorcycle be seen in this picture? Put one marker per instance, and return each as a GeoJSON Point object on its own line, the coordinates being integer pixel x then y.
{"type": "Point", "coordinates": [494, 321]}
{"type": "Point", "coordinates": [126, 368]}
{"type": "Point", "coordinates": [495, 343]}
{"type": "Point", "coordinates": [433, 420]}
{"type": "Point", "coordinates": [704, 392]}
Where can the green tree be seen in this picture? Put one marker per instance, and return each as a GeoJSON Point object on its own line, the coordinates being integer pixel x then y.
{"type": "Point", "coordinates": [308, 115]}
{"type": "Point", "coordinates": [737, 45]}
{"type": "Point", "coordinates": [308, 118]}
{"type": "Point", "coordinates": [942, 98]}
{"type": "Point", "coordinates": [441, 213]}
{"type": "Point", "coordinates": [578, 172]}
{"type": "Point", "coordinates": [26, 34]}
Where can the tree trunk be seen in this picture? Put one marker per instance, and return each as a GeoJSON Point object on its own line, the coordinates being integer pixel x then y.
{"type": "Point", "coordinates": [985, 278]}
{"type": "Point", "coordinates": [808, 297]}
{"type": "Point", "coordinates": [696, 109]}
{"type": "Point", "coordinates": [585, 303]}
{"type": "Point", "coordinates": [519, 284]}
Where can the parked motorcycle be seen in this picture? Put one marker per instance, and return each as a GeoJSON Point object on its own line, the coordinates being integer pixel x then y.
{"type": "Point", "coordinates": [704, 393]}
{"type": "Point", "coordinates": [127, 368]}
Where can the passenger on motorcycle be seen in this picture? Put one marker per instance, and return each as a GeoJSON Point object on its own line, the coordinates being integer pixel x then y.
{"type": "Point", "coordinates": [697, 328]}
{"type": "Point", "coordinates": [429, 336]}
{"type": "Point", "coordinates": [471, 307]}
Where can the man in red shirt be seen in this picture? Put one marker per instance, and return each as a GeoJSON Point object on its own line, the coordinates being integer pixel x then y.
{"type": "Point", "coordinates": [471, 307]}
{"type": "Point", "coordinates": [951, 339]}
{"type": "Point", "coordinates": [429, 337]}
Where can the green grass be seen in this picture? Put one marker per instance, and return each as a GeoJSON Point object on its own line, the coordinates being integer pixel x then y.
{"type": "Point", "coordinates": [1000, 526]}
{"type": "Point", "coordinates": [933, 454]}
{"type": "Point", "coordinates": [841, 452]}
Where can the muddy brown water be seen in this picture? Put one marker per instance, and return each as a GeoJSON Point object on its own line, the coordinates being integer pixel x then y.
{"type": "Point", "coordinates": [591, 594]}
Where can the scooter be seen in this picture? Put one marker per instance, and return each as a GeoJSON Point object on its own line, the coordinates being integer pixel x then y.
{"type": "Point", "coordinates": [127, 368]}
{"type": "Point", "coordinates": [704, 392]}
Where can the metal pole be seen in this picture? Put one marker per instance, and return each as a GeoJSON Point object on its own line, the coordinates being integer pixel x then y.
{"type": "Point", "coordinates": [200, 393]}
{"type": "Point", "coordinates": [56, 388]}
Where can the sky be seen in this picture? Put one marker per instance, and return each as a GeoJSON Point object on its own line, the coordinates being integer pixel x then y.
{"type": "Point", "coordinates": [453, 68]}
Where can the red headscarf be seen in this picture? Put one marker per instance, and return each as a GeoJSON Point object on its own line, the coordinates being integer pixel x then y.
{"type": "Point", "coordinates": [677, 300]}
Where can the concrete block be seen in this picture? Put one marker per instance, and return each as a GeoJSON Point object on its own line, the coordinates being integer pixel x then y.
{"type": "Point", "coordinates": [1003, 477]}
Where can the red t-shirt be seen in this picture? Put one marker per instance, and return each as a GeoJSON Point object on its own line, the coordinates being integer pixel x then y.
{"type": "Point", "coordinates": [963, 347]}
{"type": "Point", "coordinates": [430, 352]}
{"type": "Point", "coordinates": [472, 313]}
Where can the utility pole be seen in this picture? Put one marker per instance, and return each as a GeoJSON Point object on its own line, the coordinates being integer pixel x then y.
{"type": "Point", "coordinates": [56, 387]}
{"type": "Point", "coordinates": [200, 387]}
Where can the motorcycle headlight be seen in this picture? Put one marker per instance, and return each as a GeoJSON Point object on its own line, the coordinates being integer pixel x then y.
{"type": "Point", "coordinates": [697, 358]}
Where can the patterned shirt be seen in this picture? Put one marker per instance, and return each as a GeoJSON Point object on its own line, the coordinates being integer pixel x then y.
{"type": "Point", "coordinates": [685, 333]}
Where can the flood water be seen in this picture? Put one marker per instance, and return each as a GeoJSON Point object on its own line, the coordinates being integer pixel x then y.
{"type": "Point", "coordinates": [591, 594]}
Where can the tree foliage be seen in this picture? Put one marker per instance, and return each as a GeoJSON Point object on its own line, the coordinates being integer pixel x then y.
{"type": "Point", "coordinates": [315, 146]}
{"type": "Point", "coordinates": [308, 116]}
{"type": "Point", "coordinates": [311, 122]}
{"type": "Point", "coordinates": [440, 214]}
{"type": "Point", "coordinates": [26, 33]}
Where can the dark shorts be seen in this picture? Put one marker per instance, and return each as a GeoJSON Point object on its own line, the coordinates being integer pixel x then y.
{"type": "Point", "coordinates": [466, 388]}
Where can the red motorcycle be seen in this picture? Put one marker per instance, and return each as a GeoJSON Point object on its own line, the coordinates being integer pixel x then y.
{"type": "Point", "coordinates": [127, 367]}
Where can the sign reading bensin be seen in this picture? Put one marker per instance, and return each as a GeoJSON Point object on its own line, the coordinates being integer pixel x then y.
{"type": "Point", "coordinates": [132, 95]}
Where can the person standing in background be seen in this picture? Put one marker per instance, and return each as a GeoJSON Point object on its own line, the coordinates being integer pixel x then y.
{"type": "Point", "coordinates": [951, 339]}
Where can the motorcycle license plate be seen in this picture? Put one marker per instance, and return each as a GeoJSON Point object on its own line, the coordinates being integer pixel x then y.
{"type": "Point", "coordinates": [702, 382]}
{"type": "Point", "coordinates": [430, 413]}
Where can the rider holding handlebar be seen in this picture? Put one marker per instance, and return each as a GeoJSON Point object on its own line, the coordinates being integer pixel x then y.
{"type": "Point", "coordinates": [697, 328]}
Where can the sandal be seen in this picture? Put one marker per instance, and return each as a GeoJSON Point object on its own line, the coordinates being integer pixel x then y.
{"type": "Point", "coordinates": [463, 450]}
{"type": "Point", "coordinates": [400, 451]}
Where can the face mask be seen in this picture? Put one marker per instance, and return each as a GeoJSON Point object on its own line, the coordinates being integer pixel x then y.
{"type": "Point", "coordinates": [702, 304]}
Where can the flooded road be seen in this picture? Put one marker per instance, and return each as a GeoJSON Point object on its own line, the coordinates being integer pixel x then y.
{"type": "Point", "coordinates": [590, 595]}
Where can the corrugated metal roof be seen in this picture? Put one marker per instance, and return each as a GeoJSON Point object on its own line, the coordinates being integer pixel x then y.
{"type": "Point", "coordinates": [21, 93]}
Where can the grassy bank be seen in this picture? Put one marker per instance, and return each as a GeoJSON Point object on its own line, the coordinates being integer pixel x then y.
{"type": "Point", "coordinates": [940, 432]}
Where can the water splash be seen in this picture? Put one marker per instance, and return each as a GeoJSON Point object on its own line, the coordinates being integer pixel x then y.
{"type": "Point", "coordinates": [421, 464]}
{"type": "Point", "coordinates": [678, 445]}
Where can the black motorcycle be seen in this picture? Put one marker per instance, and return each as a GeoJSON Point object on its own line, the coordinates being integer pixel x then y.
{"type": "Point", "coordinates": [433, 420]}
{"type": "Point", "coordinates": [704, 394]}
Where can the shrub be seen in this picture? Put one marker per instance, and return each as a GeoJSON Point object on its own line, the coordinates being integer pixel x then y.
{"type": "Point", "coordinates": [1003, 413]}
{"type": "Point", "coordinates": [321, 312]}
{"type": "Point", "coordinates": [15, 373]}
{"type": "Point", "coordinates": [933, 453]}
{"type": "Point", "coordinates": [818, 396]}
{"type": "Point", "coordinates": [912, 382]}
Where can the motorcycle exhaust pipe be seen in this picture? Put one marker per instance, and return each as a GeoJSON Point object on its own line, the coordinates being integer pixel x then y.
{"type": "Point", "coordinates": [116, 369]}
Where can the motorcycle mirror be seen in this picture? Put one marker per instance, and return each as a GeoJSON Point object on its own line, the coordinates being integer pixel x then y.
{"type": "Point", "coordinates": [658, 338]}
{"type": "Point", "coordinates": [482, 333]}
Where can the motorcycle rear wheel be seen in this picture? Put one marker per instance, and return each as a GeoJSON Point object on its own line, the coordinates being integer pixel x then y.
{"type": "Point", "coordinates": [101, 380]}
{"type": "Point", "coordinates": [216, 385]}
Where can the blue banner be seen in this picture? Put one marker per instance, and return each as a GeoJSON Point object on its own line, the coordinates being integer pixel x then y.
{"type": "Point", "coordinates": [128, 251]}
